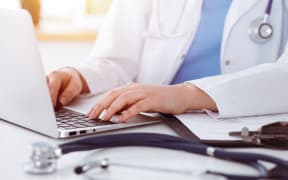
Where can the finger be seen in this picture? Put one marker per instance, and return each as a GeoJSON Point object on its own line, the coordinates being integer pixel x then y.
{"type": "Point", "coordinates": [140, 106]}
{"type": "Point", "coordinates": [124, 100]}
{"type": "Point", "coordinates": [103, 104]}
{"type": "Point", "coordinates": [54, 85]}
{"type": "Point", "coordinates": [106, 101]}
{"type": "Point", "coordinates": [72, 90]}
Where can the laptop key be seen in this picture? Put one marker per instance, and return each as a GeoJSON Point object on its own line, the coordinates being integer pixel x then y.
{"type": "Point", "coordinates": [63, 120]}
{"type": "Point", "coordinates": [71, 120]}
{"type": "Point", "coordinates": [70, 123]}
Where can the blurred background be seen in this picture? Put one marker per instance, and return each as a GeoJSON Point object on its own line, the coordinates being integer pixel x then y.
{"type": "Point", "coordinates": [66, 29]}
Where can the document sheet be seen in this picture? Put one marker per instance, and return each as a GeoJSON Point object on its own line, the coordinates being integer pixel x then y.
{"type": "Point", "coordinates": [208, 127]}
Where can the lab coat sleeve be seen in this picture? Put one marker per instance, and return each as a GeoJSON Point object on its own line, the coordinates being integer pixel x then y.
{"type": "Point", "coordinates": [116, 56]}
{"type": "Point", "coordinates": [259, 90]}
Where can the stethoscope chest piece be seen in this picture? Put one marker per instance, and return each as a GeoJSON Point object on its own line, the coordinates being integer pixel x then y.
{"type": "Point", "coordinates": [260, 31]}
{"type": "Point", "coordinates": [43, 159]}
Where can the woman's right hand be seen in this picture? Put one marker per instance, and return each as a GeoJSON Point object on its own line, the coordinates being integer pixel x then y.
{"type": "Point", "coordinates": [65, 85]}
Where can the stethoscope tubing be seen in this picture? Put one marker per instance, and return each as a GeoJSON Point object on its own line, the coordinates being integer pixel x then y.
{"type": "Point", "coordinates": [164, 141]}
{"type": "Point", "coordinates": [269, 7]}
{"type": "Point", "coordinates": [120, 140]}
{"type": "Point", "coordinates": [242, 156]}
{"type": "Point", "coordinates": [163, 35]}
{"type": "Point", "coordinates": [174, 143]}
{"type": "Point", "coordinates": [263, 173]}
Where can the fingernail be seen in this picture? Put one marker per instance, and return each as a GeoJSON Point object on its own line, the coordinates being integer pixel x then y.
{"type": "Point", "coordinates": [103, 114]}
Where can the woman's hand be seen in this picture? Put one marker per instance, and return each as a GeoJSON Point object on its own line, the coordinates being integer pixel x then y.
{"type": "Point", "coordinates": [135, 98]}
{"type": "Point", "coordinates": [65, 84]}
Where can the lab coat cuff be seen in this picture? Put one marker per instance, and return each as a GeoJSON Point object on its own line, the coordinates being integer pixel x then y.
{"type": "Point", "coordinates": [209, 86]}
{"type": "Point", "coordinates": [89, 76]}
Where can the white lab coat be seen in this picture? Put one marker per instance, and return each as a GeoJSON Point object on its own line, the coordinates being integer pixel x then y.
{"type": "Point", "coordinates": [132, 48]}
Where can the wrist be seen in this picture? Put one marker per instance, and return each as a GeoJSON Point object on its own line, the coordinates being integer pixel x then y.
{"type": "Point", "coordinates": [197, 99]}
{"type": "Point", "coordinates": [74, 72]}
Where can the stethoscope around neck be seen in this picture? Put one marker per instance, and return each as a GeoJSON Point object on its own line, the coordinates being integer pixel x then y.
{"type": "Point", "coordinates": [259, 31]}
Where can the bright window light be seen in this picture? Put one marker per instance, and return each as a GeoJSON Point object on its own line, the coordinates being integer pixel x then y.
{"type": "Point", "coordinates": [11, 4]}
{"type": "Point", "coordinates": [62, 8]}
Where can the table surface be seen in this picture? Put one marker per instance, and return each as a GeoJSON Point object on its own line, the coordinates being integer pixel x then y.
{"type": "Point", "coordinates": [14, 151]}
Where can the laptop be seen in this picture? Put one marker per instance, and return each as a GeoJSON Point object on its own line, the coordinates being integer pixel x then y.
{"type": "Point", "coordinates": [24, 95]}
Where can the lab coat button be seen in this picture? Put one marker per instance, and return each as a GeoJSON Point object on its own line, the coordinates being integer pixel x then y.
{"type": "Point", "coordinates": [183, 56]}
{"type": "Point", "coordinates": [227, 62]}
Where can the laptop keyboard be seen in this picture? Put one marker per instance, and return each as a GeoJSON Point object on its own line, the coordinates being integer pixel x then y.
{"type": "Point", "coordinates": [67, 119]}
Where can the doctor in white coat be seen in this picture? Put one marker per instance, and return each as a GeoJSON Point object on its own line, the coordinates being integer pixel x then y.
{"type": "Point", "coordinates": [183, 55]}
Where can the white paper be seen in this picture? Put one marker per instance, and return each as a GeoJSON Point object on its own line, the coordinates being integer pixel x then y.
{"type": "Point", "coordinates": [207, 127]}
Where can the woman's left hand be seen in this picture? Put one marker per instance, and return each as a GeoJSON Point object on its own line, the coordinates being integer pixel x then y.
{"type": "Point", "coordinates": [132, 99]}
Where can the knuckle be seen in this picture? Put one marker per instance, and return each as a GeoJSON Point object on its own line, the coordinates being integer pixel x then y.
{"type": "Point", "coordinates": [113, 108]}
{"type": "Point", "coordinates": [73, 75]}
{"type": "Point", "coordinates": [98, 107]}
{"type": "Point", "coordinates": [112, 93]}
{"type": "Point", "coordinates": [70, 71]}
{"type": "Point", "coordinates": [125, 96]}
{"type": "Point", "coordinates": [128, 113]}
{"type": "Point", "coordinates": [54, 74]}
{"type": "Point", "coordinates": [132, 85]}
{"type": "Point", "coordinates": [140, 106]}
{"type": "Point", "coordinates": [144, 93]}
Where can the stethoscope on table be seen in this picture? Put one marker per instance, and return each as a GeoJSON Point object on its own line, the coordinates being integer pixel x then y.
{"type": "Point", "coordinates": [259, 31]}
{"type": "Point", "coordinates": [43, 159]}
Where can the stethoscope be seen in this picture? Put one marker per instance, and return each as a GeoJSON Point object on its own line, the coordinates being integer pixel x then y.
{"type": "Point", "coordinates": [259, 31]}
{"type": "Point", "coordinates": [43, 159]}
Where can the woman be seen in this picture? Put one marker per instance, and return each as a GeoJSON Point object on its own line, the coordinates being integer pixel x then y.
{"type": "Point", "coordinates": [183, 55]}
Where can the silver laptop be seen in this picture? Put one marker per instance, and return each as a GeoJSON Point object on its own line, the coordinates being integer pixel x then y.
{"type": "Point", "coordinates": [24, 95]}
